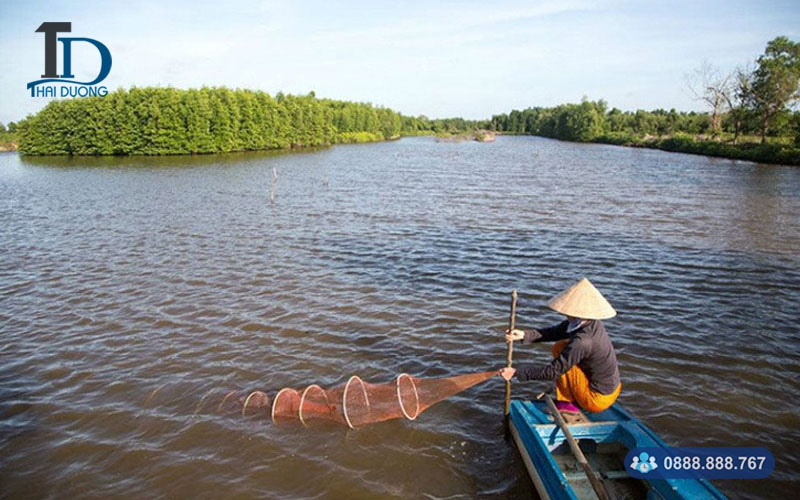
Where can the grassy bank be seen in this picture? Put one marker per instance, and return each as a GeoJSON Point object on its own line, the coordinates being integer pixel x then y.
{"type": "Point", "coordinates": [359, 137]}
{"type": "Point", "coordinates": [777, 150]}
{"type": "Point", "coordinates": [479, 135]}
{"type": "Point", "coordinates": [8, 141]}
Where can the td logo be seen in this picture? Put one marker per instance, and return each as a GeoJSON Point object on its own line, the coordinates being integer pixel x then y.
{"type": "Point", "coordinates": [40, 88]}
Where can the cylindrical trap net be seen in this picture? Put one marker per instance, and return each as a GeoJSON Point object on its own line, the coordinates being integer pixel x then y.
{"type": "Point", "coordinates": [358, 403]}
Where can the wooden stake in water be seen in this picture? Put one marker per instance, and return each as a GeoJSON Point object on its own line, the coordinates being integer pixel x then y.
{"type": "Point", "coordinates": [511, 324]}
{"type": "Point", "coordinates": [272, 185]}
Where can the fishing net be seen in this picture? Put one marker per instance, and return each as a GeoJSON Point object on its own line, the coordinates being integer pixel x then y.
{"type": "Point", "coordinates": [354, 404]}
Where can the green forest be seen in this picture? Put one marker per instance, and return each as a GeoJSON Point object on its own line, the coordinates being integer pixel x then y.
{"type": "Point", "coordinates": [162, 121]}
{"type": "Point", "coordinates": [750, 116]}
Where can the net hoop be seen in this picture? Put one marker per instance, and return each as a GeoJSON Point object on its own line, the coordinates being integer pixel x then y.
{"type": "Point", "coordinates": [275, 402]}
{"type": "Point", "coordinates": [400, 398]}
{"type": "Point", "coordinates": [225, 399]}
{"type": "Point", "coordinates": [303, 398]}
{"type": "Point", "coordinates": [246, 401]}
{"type": "Point", "coordinates": [344, 398]}
{"type": "Point", "coordinates": [202, 401]}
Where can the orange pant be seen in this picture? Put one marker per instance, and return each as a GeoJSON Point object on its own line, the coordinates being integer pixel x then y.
{"type": "Point", "coordinates": [573, 386]}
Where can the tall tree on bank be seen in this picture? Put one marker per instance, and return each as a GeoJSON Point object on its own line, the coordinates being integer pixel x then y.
{"type": "Point", "coordinates": [713, 87]}
{"type": "Point", "coordinates": [776, 81]}
{"type": "Point", "coordinates": [738, 99]}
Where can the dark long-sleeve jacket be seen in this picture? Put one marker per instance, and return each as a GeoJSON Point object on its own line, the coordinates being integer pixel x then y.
{"type": "Point", "coordinates": [589, 347]}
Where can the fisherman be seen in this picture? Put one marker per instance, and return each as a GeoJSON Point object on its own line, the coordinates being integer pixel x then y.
{"type": "Point", "coordinates": [584, 366]}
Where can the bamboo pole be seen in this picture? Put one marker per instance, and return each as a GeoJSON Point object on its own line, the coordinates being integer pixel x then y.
{"type": "Point", "coordinates": [602, 494]}
{"type": "Point", "coordinates": [510, 352]}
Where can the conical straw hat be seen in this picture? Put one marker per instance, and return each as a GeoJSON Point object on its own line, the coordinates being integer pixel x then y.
{"type": "Point", "coordinates": [582, 300]}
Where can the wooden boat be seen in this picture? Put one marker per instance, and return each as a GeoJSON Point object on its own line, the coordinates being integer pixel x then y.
{"type": "Point", "coordinates": [605, 438]}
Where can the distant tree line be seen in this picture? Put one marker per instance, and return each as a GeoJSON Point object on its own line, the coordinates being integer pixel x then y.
{"type": "Point", "coordinates": [155, 121]}
{"type": "Point", "coordinates": [743, 102]}
{"type": "Point", "coordinates": [590, 120]}
{"type": "Point", "coordinates": [160, 121]}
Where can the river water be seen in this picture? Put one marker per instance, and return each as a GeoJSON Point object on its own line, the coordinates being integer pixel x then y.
{"type": "Point", "coordinates": [121, 276]}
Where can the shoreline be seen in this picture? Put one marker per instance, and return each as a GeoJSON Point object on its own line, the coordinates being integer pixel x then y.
{"type": "Point", "coordinates": [344, 141]}
{"type": "Point", "coordinates": [757, 153]}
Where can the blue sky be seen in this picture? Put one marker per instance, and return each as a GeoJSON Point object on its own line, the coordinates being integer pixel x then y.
{"type": "Point", "coordinates": [470, 59]}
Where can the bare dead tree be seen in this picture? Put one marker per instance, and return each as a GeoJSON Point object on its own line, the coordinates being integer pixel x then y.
{"type": "Point", "coordinates": [739, 98]}
{"type": "Point", "coordinates": [708, 84]}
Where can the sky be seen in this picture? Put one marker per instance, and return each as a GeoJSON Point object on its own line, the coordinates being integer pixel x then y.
{"type": "Point", "coordinates": [470, 59]}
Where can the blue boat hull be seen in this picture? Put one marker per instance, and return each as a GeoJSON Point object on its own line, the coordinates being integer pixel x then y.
{"type": "Point", "coordinates": [609, 435]}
